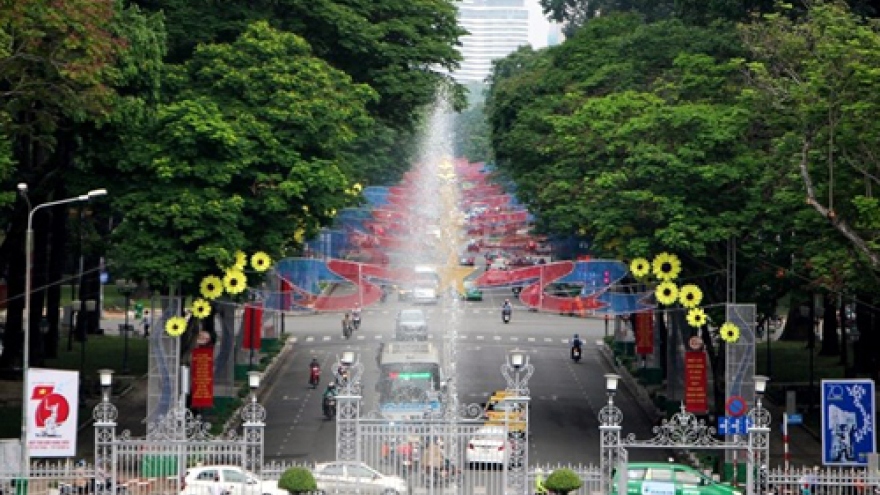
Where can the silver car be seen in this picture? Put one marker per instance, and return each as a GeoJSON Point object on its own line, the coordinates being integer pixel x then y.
{"type": "Point", "coordinates": [411, 324]}
{"type": "Point", "coordinates": [356, 477]}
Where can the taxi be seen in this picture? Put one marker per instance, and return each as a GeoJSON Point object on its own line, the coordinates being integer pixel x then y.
{"type": "Point", "coordinates": [498, 412]}
{"type": "Point", "coordinates": [658, 478]}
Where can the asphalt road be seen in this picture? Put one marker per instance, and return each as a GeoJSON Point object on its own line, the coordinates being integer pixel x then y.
{"type": "Point", "coordinates": [566, 397]}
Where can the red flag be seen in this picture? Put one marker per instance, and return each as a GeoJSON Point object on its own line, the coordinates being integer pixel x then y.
{"type": "Point", "coordinates": [253, 326]}
{"type": "Point", "coordinates": [202, 377]}
{"type": "Point", "coordinates": [41, 391]}
{"type": "Point", "coordinates": [286, 297]}
{"type": "Point", "coordinates": [644, 333]}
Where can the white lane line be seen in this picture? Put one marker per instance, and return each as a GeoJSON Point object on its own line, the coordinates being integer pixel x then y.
{"type": "Point", "coordinates": [548, 339]}
{"type": "Point", "coordinates": [515, 339]}
{"type": "Point", "coordinates": [480, 337]}
{"type": "Point", "coordinates": [531, 339]}
{"type": "Point", "coordinates": [327, 338]}
{"type": "Point", "coordinates": [310, 339]}
{"type": "Point", "coordinates": [497, 337]}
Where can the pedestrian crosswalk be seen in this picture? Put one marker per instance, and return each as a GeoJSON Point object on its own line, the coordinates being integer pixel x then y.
{"type": "Point", "coordinates": [459, 338]}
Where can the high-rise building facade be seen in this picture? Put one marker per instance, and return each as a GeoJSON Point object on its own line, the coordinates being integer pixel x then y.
{"type": "Point", "coordinates": [497, 28]}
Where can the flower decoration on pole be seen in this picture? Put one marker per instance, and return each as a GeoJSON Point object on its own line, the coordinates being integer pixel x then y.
{"type": "Point", "coordinates": [261, 261]}
{"type": "Point", "coordinates": [640, 267]}
{"type": "Point", "coordinates": [696, 317]}
{"type": "Point", "coordinates": [201, 308]}
{"type": "Point", "coordinates": [690, 296]}
{"type": "Point", "coordinates": [666, 266]}
{"type": "Point", "coordinates": [666, 293]}
{"type": "Point", "coordinates": [175, 326]}
{"type": "Point", "coordinates": [729, 332]}
{"type": "Point", "coordinates": [234, 281]}
{"type": "Point", "coordinates": [211, 287]}
{"type": "Point", "coordinates": [240, 261]}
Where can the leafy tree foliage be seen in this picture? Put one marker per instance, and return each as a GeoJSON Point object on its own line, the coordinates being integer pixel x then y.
{"type": "Point", "coordinates": [244, 157]}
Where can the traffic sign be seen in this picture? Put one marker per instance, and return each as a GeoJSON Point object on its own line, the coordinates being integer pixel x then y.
{"type": "Point", "coordinates": [736, 406]}
{"type": "Point", "coordinates": [795, 419]}
{"type": "Point", "coordinates": [730, 425]}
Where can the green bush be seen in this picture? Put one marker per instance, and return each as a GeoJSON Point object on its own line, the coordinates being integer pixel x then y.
{"type": "Point", "coordinates": [563, 481]}
{"type": "Point", "coordinates": [297, 480]}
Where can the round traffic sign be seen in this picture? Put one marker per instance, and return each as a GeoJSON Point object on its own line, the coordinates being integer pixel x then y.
{"type": "Point", "coordinates": [736, 406]}
{"type": "Point", "coordinates": [695, 343]}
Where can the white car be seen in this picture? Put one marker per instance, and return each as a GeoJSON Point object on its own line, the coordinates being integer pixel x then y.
{"type": "Point", "coordinates": [356, 477]}
{"type": "Point", "coordinates": [488, 447]}
{"type": "Point", "coordinates": [233, 480]}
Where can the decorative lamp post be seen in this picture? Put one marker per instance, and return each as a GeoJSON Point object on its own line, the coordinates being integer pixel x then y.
{"type": "Point", "coordinates": [126, 288]}
{"type": "Point", "coordinates": [28, 281]}
{"type": "Point", "coordinates": [105, 415]}
{"type": "Point", "coordinates": [516, 371]}
{"type": "Point", "coordinates": [254, 378]}
{"type": "Point", "coordinates": [348, 404]}
{"type": "Point", "coordinates": [759, 438]}
{"type": "Point", "coordinates": [610, 420]}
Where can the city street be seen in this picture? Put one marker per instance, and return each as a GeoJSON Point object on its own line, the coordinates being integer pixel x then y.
{"type": "Point", "coordinates": [566, 397]}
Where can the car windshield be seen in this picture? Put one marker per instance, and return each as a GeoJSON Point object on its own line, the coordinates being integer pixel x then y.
{"type": "Point", "coordinates": [412, 316]}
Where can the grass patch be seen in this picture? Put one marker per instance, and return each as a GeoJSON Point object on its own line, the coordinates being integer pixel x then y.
{"type": "Point", "coordinates": [102, 351]}
{"type": "Point", "coordinates": [790, 362]}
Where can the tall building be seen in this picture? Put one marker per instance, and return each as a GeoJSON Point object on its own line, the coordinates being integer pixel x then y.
{"type": "Point", "coordinates": [497, 28]}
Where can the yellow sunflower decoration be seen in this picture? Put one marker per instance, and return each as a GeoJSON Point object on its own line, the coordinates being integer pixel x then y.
{"type": "Point", "coordinates": [211, 287]}
{"type": "Point", "coordinates": [175, 326]}
{"type": "Point", "coordinates": [357, 187]}
{"type": "Point", "coordinates": [640, 267]}
{"type": "Point", "coordinates": [729, 332]}
{"type": "Point", "coordinates": [234, 281]}
{"type": "Point", "coordinates": [240, 261]}
{"type": "Point", "coordinates": [201, 308]}
{"type": "Point", "coordinates": [666, 266]}
{"type": "Point", "coordinates": [261, 261]}
{"type": "Point", "coordinates": [690, 296]}
{"type": "Point", "coordinates": [667, 293]}
{"type": "Point", "coordinates": [696, 317]}
{"type": "Point", "coordinates": [299, 236]}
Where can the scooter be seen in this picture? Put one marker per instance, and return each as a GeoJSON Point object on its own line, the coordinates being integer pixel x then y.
{"type": "Point", "coordinates": [576, 354]}
{"type": "Point", "coordinates": [329, 407]}
{"type": "Point", "coordinates": [356, 321]}
{"type": "Point", "coordinates": [505, 315]}
{"type": "Point", "coordinates": [346, 330]}
{"type": "Point", "coordinates": [314, 376]}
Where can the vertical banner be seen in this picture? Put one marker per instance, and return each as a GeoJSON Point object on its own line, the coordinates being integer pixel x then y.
{"type": "Point", "coordinates": [695, 382]}
{"type": "Point", "coordinates": [52, 405]}
{"type": "Point", "coordinates": [286, 296]}
{"type": "Point", "coordinates": [202, 377]}
{"type": "Point", "coordinates": [644, 333]}
{"type": "Point", "coordinates": [848, 418]}
{"type": "Point", "coordinates": [253, 326]}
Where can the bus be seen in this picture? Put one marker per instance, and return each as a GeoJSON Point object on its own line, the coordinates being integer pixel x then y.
{"type": "Point", "coordinates": [410, 380]}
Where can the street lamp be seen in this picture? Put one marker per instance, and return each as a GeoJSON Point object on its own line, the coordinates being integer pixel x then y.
{"type": "Point", "coordinates": [126, 288]}
{"type": "Point", "coordinates": [254, 378]}
{"type": "Point", "coordinates": [106, 379]}
{"type": "Point", "coordinates": [28, 266]}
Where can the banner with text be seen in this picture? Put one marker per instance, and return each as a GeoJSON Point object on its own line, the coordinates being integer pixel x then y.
{"type": "Point", "coordinates": [202, 377]}
{"type": "Point", "coordinates": [253, 326]}
{"type": "Point", "coordinates": [53, 402]}
{"type": "Point", "coordinates": [644, 333]}
{"type": "Point", "coordinates": [695, 382]}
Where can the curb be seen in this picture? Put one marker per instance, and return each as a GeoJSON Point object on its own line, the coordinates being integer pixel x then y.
{"type": "Point", "coordinates": [268, 375]}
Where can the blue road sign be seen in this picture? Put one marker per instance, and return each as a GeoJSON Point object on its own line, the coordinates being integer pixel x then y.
{"type": "Point", "coordinates": [734, 425]}
{"type": "Point", "coordinates": [848, 419]}
{"type": "Point", "coordinates": [795, 419]}
{"type": "Point", "coordinates": [104, 277]}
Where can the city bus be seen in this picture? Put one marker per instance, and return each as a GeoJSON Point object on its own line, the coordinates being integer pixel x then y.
{"type": "Point", "coordinates": [410, 380]}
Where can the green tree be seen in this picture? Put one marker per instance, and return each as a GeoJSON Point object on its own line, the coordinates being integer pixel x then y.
{"type": "Point", "coordinates": [244, 157]}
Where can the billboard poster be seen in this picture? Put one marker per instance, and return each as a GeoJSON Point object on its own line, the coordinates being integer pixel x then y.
{"type": "Point", "coordinates": [53, 402]}
{"type": "Point", "coordinates": [695, 382]}
{"type": "Point", "coordinates": [848, 433]}
{"type": "Point", "coordinates": [644, 328]}
{"type": "Point", "coordinates": [202, 377]}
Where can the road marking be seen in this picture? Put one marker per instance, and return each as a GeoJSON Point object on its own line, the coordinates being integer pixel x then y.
{"type": "Point", "coordinates": [480, 337]}
{"type": "Point", "coordinates": [496, 338]}
{"type": "Point", "coordinates": [531, 339]}
{"type": "Point", "coordinates": [295, 339]}
{"type": "Point", "coordinates": [378, 337]}
{"type": "Point", "coordinates": [548, 339]}
{"type": "Point", "coordinates": [515, 339]}
{"type": "Point", "coordinates": [309, 339]}
{"type": "Point", "coordinates": [327, 338]}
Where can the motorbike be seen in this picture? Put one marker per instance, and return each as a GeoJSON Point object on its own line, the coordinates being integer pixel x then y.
{"type": "Point", "coordinates": [346, 330]}
{"type": "Point", "coordinates": [447, 475]}
{"type": "Point", "coordinates": [505, 315]}
{"type": "Point", "coordinates": [314, 376]}
{"type": "Point", "coordinates": [356, 321]}
{"type": "Point", "coordinates": [576, 354]}
{"type": "Point", "coordinates": [329, 407]}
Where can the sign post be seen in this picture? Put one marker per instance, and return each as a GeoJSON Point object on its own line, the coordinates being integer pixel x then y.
{"type": "Point", "coordinates": [848, 419]}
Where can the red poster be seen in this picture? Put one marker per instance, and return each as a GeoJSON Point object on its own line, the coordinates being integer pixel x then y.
{"type": "Point", "coordinates": [696, 393]}
{"type": "Point", "coordinates": [253, 326]}
{"type": "Point", "coordinates": [202, 377]}
{"type": "Point", "coordinates": [644, 333]}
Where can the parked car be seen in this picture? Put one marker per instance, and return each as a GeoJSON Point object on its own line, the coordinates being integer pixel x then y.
{"type": "Point", "coordinates": [671, 479]}
{"type": "Point", "coordinates": [233, 479]}
{"type": "Point", "coordinates": [411, 324]}
{"type": "Point", "coordinates": [472, 292]}
{"type": "Point", "coordinates": [356, 477]}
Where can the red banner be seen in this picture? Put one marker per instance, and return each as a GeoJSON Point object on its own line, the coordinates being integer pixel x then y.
{"type": "Point", "coordinates": [644, 327]}
{"type": "Point", "coordinates": [253, 326]}
{"type": "Point", "coordinates": [202, 378]}
{"type": "Point", "coordinates": [696, 393]}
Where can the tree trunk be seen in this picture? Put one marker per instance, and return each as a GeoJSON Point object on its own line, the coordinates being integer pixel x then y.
{"type": "Point", "coordinates": [830, 344]}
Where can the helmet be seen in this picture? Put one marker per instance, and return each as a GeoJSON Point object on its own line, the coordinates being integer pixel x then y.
{"type": "Point", "coordinates": [332, 385]}
{"type": "Point", "coordinates": [576, 336]}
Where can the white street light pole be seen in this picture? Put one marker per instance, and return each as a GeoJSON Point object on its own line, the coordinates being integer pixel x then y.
{"type": "Point", "coordinates": [25, 325]}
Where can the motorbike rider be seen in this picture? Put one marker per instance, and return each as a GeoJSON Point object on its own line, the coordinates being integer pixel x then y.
{"type": "Point", "coordinates": [330, 392]}
{"type": "Point", "coordinates": [576, 345]}
{"type": "Point", "coordinates": [346, 323]}
{"type": "Point", "coordinates": [356, 316]}
{"type": "Point", "coordinates": [314, 368]}
{"type": "Point", "coordinates": [506, 307]}
{"type": "Point", "coordinates": [540, 489]}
